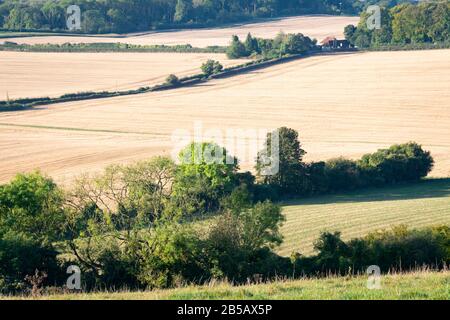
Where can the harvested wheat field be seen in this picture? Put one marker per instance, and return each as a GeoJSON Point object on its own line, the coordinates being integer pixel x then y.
{"type": "Point", "coordinates": [30, 74]}
{"type": "Point", "coordinates": [315, 26]}
{"type": "Point", "coordinates": [344, 104]}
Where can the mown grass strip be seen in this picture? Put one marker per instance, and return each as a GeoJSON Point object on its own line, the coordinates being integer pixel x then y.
{"type": "Point", "coordinates": [357, 213]}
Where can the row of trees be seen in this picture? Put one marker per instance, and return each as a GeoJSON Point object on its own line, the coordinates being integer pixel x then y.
{"type": "Point", "coordinates": [281, 45]}
{"type": "Point", "coordinates": [134, 15]}
{"type": "Point", "coordinates": [136, 225]}
{"type": "Point", "coordinates": [399, 163]}
{"type": "Point", "coordinates": [426, 22]}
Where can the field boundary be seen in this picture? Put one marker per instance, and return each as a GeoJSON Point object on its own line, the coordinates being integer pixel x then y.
{"type": "Point", "coordinates": [28, 103]}
{"type": "Point", "coordinates": [107, 47]}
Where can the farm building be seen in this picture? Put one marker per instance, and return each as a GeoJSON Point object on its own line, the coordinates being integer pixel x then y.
{"type": "Point", "coordinates": [331, 43]}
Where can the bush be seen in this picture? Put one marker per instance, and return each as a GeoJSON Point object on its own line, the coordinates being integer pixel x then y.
{"type": "Point", "coordinates": [21, 256]}
{"type": "Point", "coordinates": [171, 256]}
{"type": "Point", "coordinates": [342, 174]}
{"type": "Point", "coordinates": [239, 245]}
{"type": "Point", "coordinates": [31, 204]}
{"type": "Point", "coordinates": [236, 49]}
{"type": "Point", "coordinates": [172, 80]}
{"type": "Point", "coordinates": [397, 249]}
{"type": "Point", "coordinates": [211, 67]}
{"type": "Point", "coordinates": [400, 163]}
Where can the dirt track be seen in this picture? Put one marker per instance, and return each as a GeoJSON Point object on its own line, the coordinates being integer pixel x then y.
{"type": "Point", "coordinates": [342, 105]}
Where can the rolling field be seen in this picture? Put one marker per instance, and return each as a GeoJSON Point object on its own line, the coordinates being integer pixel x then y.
{"type": "Point", "coordinates": [413, 286]}
{"type": "Point", "coordinates": [347, 104]}
{"type": "Point", "coordinates": [315, 26]}
{"type": "Point", "coordinates": [32, 74]}
{"type": "Point", "coordinates": [356, 214]}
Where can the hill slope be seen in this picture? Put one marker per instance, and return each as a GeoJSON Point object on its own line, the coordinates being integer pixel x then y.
{"type": "Point", "coordinates": [314, 26]}
{"type": "Point", "coordinates": [346, 105]}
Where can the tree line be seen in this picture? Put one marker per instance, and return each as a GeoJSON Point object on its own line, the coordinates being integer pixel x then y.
{"type": "Point", "coordinates": [156, 224]}
{"type": "Point", "coordinates": [405, 24]}
{"type": "Point", "coordinates": [103, 16]}
{"type": "Point", "coordinates": [283, 44]}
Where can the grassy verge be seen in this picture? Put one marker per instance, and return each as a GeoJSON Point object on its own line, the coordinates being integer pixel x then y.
{"type": "Point", "coordinates": [418, 285]}
{"type": "Point", "coordinates": [357, 213]}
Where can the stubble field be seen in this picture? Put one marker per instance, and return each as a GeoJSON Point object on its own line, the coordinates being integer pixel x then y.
{"type": "Point", "coordinates": [315, 26]}
{"type": "Point", "coordinates": [341, 104]}
{"type": "Point", "coordinates": [32, 74]}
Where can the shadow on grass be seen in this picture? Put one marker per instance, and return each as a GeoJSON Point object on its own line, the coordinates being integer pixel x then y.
{"type": "Point", "coordinates": [425, 189]}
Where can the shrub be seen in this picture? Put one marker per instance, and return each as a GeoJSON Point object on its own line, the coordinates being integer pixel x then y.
{"type": "Point", "coordinates": [171, 255]}
{"type": "Point", "coordinates": [236, 49]}
{"type": "Point", "coordinates": [400, 163]}
{"type": "Point", "coordinates": [239, 245]}
{"type": "Point", "coordinates": [397, 249]}
{"type": "Point", "coordinates": [31, 204]}
{"type": "Point", "coordinates": [172, 80]}
{"type": "Point", "coordinates": [342, 174]}
{"type": "Point", "coordinates": [211, 67]}
{"type": "Point", "coordinates": [21, 256]}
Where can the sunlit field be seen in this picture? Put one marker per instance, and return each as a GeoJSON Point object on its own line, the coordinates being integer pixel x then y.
{"type": "Point", "coordinates": [314, 26]}
{"type": "Point", "coordinates": [33, 74]}
{"type": "Point", "coordinates": [344, 104]}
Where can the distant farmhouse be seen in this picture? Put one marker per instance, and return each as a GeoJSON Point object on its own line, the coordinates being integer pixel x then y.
{"type": "Point", "coordinates": [331, 43]}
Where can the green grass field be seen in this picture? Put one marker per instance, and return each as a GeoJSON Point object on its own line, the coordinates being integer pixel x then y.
{"type": "Point", "coordinates": [358, 213]}
{"type": "Point", "coordinates": [418, 285]}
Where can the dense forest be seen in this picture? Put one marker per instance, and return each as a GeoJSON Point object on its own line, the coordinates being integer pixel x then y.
{"type": "Point", "coordinates": [104, 16]}
{"type": "Point", "coordinates": [403, 25]}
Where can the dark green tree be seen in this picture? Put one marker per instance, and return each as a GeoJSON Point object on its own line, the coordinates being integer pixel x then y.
{"type": "Point", "coordinates": [236, 49]}
{"type": "Point", "coordinates": [183, 10]}
{"type": "Point", "coordinates": [290, 178]}
{"type": "Point", "coordinates": [251, 45]}
{"type": "Point", "coordinates": [211, 67]}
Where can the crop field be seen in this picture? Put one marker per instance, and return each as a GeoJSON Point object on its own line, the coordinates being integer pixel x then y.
{"type": "Point", "coordinates": [412, 286]}
{"type": "Point", "coordinates": [315, 26]}
{"type": "Point", "coordinates": [357, 214]}
{"type": "Point", "coordinates": [345, 104]}
{"type": "Point", "coordinates": [31, 74]}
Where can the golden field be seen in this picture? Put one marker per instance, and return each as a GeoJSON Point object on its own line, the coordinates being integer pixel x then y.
{"type": "Point", "coordinates": [315, 26]}
{"type": "Point", "coordinates": [35, 74]}
{"type": "Point", "coordinates": [346, 104]}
